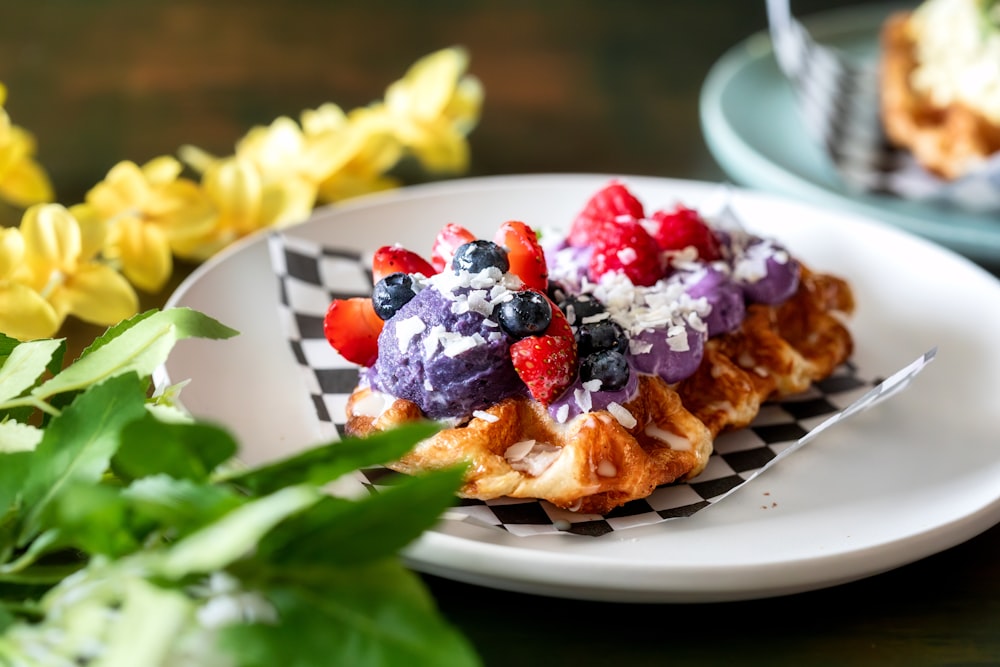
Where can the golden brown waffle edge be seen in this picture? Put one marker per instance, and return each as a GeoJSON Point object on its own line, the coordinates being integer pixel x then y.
{"type": "Point", "coordinates": [593, 463]}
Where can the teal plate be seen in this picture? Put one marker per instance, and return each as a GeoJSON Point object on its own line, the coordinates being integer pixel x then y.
{"type": "Point", "coordinates": [752, 128]}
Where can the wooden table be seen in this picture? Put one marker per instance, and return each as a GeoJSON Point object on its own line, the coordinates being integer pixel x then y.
{"type": "Point", "coordinates": [583, 86]}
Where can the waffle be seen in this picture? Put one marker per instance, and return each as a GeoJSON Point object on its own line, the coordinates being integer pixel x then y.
{"type": "Point", "coordinates": [948, 141]}
{"type": "Point", "coordinates": [593, 462]}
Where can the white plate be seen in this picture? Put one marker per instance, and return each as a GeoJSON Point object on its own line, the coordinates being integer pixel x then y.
{"type": "Point", "coordinates": [916, 475]}
{"type": "Point", "coordinates": [753, 129]}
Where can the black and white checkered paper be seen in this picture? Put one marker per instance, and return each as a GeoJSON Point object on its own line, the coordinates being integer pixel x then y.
{"type": "Point", "coordinates": [838, 99]}
{"type": "Point", "coordinates": [311, 275]}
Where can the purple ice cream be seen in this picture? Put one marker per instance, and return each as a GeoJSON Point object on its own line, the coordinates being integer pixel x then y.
{"type": "Point", "coordinates": [672, 352]}
{"type": "Point", "coordinates": [725, 298]}
{"type": "Point", "coordinates": [766, 272]}
{"type": "Point", "coordinates": [448, 363]}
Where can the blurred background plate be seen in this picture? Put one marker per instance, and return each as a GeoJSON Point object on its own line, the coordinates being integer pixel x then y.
{"type": "Point", "coordinates": [753, 130]}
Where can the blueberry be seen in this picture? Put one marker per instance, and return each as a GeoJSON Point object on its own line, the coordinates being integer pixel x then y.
{"type": "Point", "coordinates": [579, 307]}
{"type": "Point", "coordinates": [477, 255]}
{"type": "Point", "coordinates": [528, 313]}
{"type": "Point", "coordinates": [391, 293]}
{"type": "Point", "coordinates": [601, 335]}
{"type": "Point", "coordinates": [608, 366]}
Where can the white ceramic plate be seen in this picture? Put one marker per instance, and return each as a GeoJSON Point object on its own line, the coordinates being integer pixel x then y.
{"type": "Point", "coordinates": [916, 475]}
{"type": "Point", "coordinates": [753, 129]}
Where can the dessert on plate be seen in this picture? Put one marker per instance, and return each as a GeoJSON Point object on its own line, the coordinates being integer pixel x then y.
{"type": "Point", "coordinates": [940, 83]}
{"type": "Point", "coordinates": [585, 368]}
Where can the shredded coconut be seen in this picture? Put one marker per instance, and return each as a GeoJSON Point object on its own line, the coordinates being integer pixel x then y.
{"type": "Point", "coordinates": [407, 329]}
{"type": "Point", "coordinates": [622, 414]}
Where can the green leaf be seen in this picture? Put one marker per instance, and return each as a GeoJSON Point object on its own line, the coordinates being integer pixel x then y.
{"type": "Point", "coordinates": [18, 437]}
{"type": "Point", "coordinates": [376, 615]}
{"type": "Point", "coordinates": [325, 463]}
{"type": "Point", "coordinates": [181, 450]}
{"type": "Point", "coordinates": [24, 366]}
{"type": "Point", "coordinates": [14, 468]}
{"type": "Point", "coordinates": [139, 347]}
{"type": "Point", "coordinates": [234, 535]}
{"type": "Point", "coordinates": [79, 443]}
{"type": "Point", "coordinates": [340, 532]}
{"type": "Point", "coordinates": [179, 506]}
{"type": "Point", "coordinates": [94, 519]}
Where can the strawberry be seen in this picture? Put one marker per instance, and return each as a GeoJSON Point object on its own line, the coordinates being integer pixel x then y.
{"type": "Point", "coordinates": [393, 258]}
{"type": "Point", "coordinates": [352, 327]}
{"type": "Point", "coordinates": [546, 363]}
{"type": "Point", "coordinates": [451, 236]}
{"type": "Point", "coordinates": [627, 247]}
{"type": "Point", "coordinates": [612, 202]}
{"type": "Point", "coordinates": [684, 227]}
{"type": "Point", "coordinates": [525, 254]}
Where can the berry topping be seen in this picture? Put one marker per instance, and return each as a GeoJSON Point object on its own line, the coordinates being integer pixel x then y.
{"type": "Point", "coordinates": [527, 313]}
{"type": "Point", "coordinates": [612, 203]}
{"type": "Point", "coordinates": [547, 363]}
{"type": "Point", "coordinates": [608, 366]}
{"type": "Point", "coordinates": [394, 258]}
{"type": "Point", "coordinates": [626, 247]}
{"type": "Point", "coordinates": [447, 242]}
{"type": "Point", "coordinates": [682, 228]}
{"type": "Point", "coordinates": [527, 260]}
{"type": "Point", "coordinates": [478, 255]}
{"type": "Point", "coordinates": [602, 335]}
{"type": "Point", "coordinates": [578, 307]}
{"type": "Point", "coordinates": [391, 293]}
{"type": "Point", "coordinates": [352, 328]}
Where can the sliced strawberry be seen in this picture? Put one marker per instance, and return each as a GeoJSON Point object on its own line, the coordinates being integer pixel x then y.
{"type": "Point", "coordinates": [448, 240]}
{"type": "Point", "coordinates": [525, 254]}
{"type": "Point", "coordinates": [392, 258]}
{"type": "Point", "coordinates": [684, 227]}
{"type": "Point", "coordinates": [625, 246]}
{"type": "Point", "coordinates": [547, 363]}
{"type": "Point", "coordinates": [352, 328]}
{"type": "Point", "coordinates": [612, 202]}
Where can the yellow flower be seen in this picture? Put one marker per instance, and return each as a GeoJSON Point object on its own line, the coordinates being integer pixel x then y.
{"type": "Point", "coordinates": [148, 211]}
{"type": "Point", "coordinates": [24, 314]}
{"type": "Point", "coordinates": [434, 107]}
{"type": "Point", "coordinates": [22, 180]}
{"type": "Point", "coordinates": [59, 262]}
{"type": "Point", "coordinates": [359, 148]}
{"type": "Point", "coordinates": [246, 202]}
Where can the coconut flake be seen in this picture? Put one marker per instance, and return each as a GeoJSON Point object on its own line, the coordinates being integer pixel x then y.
{"type": "Point", "coordinates": [621, 413]}
{"type": "Point", "coordinates": [407, 329]}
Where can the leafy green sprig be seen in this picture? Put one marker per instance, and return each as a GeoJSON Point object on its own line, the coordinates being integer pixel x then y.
{"type": "Point", "coordinates": [129, 537]}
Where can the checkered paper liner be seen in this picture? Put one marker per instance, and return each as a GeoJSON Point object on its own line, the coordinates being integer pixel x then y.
{"type": "Point", "coordinates": [306, 273]}
{"type": "Point", "coordinates": [838, 100]}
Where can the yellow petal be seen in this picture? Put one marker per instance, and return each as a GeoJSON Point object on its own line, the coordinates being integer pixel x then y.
{"type": "Point", "coordinates": [196, 158]}
{"type": "Point", "coordinates": [234, 186]}
{"type": "Point", "coordinates": [123, 188]}
{"type": "Point", "coordinates": [97, 294]}
{"type": "Point", "coordinates": [326, 118]}
{"type": "Point", "coordinates": [275, 149]}
{"type": "Point", "coordinates": [439, 148]}
{"type": "Point", "coordinates": [25, 183]}
{"type": "Point", "coordinates": [52, 238]}
{"type": "Point", "coordinates": [144, 253]}
{"type": "Point", "coordinates": [24, 314]}
{"type": "Point", "coordinates": [11, 250]}
{"type": "Point", "coordinates": [162, 170]}
{"type": "Point", "coordinates": [428, 85]}
{"type": "Point", "coordinates": [3, 94]}
{"type": "Point", "coordinates": [93, 230]}
{"type": "Point", "coordinates": [286, 203]}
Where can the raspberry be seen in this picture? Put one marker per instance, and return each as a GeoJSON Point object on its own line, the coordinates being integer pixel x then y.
{"type": "Point", "coordinates": [684, 227]}
{"type": "Point", "coordinates": [612, 202]}
{"type": "Point", "coordinates": [626, 247]}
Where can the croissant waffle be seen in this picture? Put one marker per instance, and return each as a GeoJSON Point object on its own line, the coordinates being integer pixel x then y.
{"type": "Point", "coordinates": [946, 140]}
{"type": "Point", "coordinates": [593, 463]}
